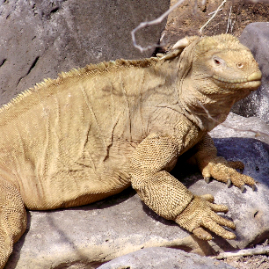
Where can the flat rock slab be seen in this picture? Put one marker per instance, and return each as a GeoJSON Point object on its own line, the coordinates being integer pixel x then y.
{"type": "Point", "coordinates": [93, 234]}
{"type": "Point", "coordinates": [247, 141]}
{"type": "Point", "coordinates": [88, 236]}
{"type": "Point", "coordinates": [164, 258]}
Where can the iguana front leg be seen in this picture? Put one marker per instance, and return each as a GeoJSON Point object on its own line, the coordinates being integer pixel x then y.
{"type": "Point", "coordinates": [167, 196]}
{"type": "Point", "coordinates": [218, 167]}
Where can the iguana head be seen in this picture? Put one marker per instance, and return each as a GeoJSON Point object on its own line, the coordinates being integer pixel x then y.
{"type": "Point", "coordinates": [218, 71]}
{"type": "Point", "coordinates": [226, 62]}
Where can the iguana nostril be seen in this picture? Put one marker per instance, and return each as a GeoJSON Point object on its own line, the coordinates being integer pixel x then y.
{"type": "Point", "coordinates": [240, 65]}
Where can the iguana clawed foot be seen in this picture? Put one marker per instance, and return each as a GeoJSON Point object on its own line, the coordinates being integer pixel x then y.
{"type": "Point", "coordinates": [200, 214]}
{"type": "Point", "coordinates": [224, 171]}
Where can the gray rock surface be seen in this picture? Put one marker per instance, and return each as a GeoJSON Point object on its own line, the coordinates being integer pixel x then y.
{"type": "Point", "coordinates": [248, 142]}
{"type": "Point", "coordinates": [164, 258]}
{"type": "Point", "coordinates": [256, 37]}
{"type": "Point", "coordinates": [41, 38]}
{"type": "Point", "coordinates": [88, 236]}
{"type": "Point", "coordinates": [93, 234]}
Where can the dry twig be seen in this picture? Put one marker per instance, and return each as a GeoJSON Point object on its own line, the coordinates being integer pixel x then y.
{"type": "Point", "coordinates": [230, 24]}
{"type": "Point", "coordinates": [153, 22]}
{"type": "Point", "coordinates": [215, 13]}
{"type": "Point", "coordinates": [244, 252]}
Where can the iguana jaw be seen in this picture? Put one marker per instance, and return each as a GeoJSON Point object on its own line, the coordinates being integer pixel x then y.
{"type": "Point", "coordinates": [252, 82]}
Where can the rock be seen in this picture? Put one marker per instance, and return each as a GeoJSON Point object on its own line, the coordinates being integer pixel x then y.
{"type": "Point", "coordinates": [244, 139]}
{"type": "Point", "coordinates": [256, 38]}
{"type": "Point", "coordinates": [249, 210]}
{"type": "Point", "coordinates": [164, 258]}
{"type": "Point", "coordinates": [91, 235]}
{"type": "Point", "coordinates": [94, 234]}
{"type": "Point", "coordinates": [39, 39]}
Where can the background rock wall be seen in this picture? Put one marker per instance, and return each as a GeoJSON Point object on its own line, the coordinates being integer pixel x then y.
{"type": "Point", "coordinates": [41, 38]}
{"type": "Point", "coordinates": [256, 37]}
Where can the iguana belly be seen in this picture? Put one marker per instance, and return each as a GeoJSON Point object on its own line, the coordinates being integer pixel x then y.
{"type": "Point", "coordinates": [82, 182]}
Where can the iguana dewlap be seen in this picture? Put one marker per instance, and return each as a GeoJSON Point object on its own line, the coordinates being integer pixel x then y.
{"type": "Point", "coordinates": [93, 132]}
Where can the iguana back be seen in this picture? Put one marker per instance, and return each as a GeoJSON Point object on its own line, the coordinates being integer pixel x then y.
{"type": "Point", "coordinates": [68, 141]}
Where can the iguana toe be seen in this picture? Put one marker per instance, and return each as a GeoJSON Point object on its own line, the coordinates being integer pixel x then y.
{"type": "Point", "coordinates": [224, 171]}
{"type": "Point", "coordinates": [208, 197]}
{"type": "Point", "coordinates": [200, 214]}
{"type": "Point", "coordinates": [218, 208]}
{"type": "Point", "coordinates": [236, 165]}
{"type": "Point", "coordinates": [202, 234]}
{"type": "Point", "coordinates": [217, 229]}
{"type": "Point", "coordinates": [218, 220]}
{"type": "Point", "coordinates": [241, 181]}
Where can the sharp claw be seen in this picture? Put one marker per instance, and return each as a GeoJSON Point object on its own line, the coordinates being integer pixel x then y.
{"type": "Point", "coordinates": [229, 183]}
{"type": "Point", "coordinates": [254, 188]}
{"type": "Point", "coordinates": [243, 188]}
{"type": "Point", "coordinates": [207, 179]}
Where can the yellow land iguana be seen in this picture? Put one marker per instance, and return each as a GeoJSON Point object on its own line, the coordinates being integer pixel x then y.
{"type": "Point", "coordinates": [93, 132]}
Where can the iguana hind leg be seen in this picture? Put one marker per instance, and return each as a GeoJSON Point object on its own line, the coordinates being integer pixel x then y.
{"type": "Point", "coordinates": [217, 167]}
{"type": "Point", "coordinates": [12, 219]}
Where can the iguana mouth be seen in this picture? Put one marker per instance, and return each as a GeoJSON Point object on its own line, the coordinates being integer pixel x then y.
{"type": "Point", "coordinates": [253, 80]}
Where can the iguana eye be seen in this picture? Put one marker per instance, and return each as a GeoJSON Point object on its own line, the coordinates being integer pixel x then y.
{"type": "Point", "coordinates": [240, 65]}
{"type": "Point", "coordinates": [217, 62]}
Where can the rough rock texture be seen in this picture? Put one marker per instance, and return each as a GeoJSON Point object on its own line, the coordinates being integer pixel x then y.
{"type": "Point", "coordinates": [232, 18]}
{"type": "Point", "coordinates": [90, 235]}
{"type": "Point", "coordinates": [250, 209]}
{"type": "Point", "coordinates": [256, 37]}
{"type": "Point", "coordinates": [42, 38]}
{"type": "Point", "coordinates": [164, 258]}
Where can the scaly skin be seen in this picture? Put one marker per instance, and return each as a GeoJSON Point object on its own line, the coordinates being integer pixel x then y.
{"type": "Point", "coordinates": [95, 131]}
